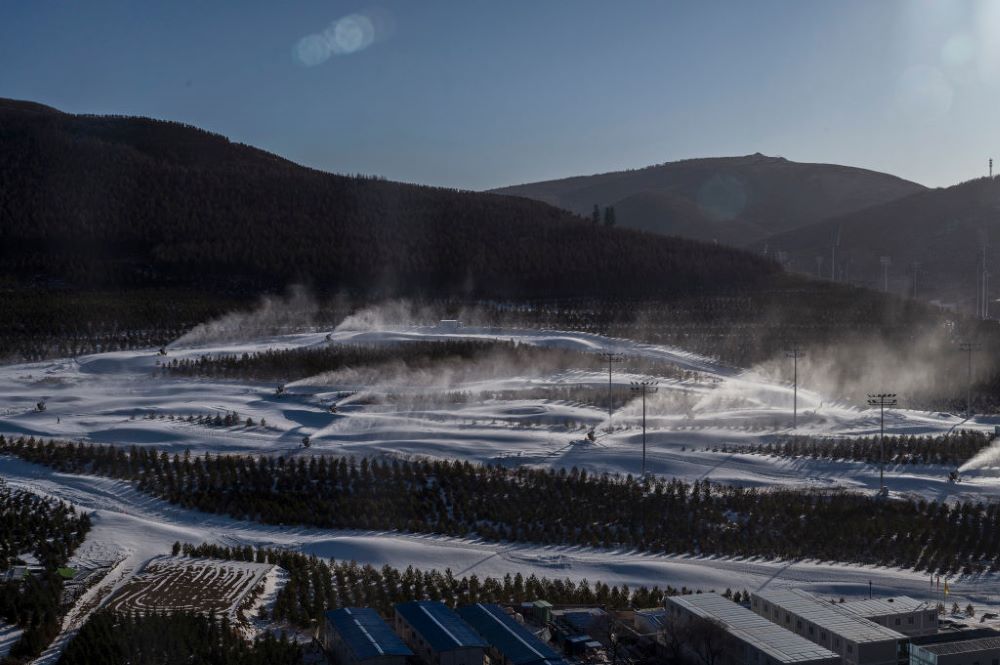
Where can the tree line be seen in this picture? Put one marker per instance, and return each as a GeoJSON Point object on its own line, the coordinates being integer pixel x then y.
{"type": "Point", "coordinates": [551, 506]}
{"type": "Point", "coordinates": [110, 638]}
{"type": "Point", "coordinates": [51, 531]}
{"type": "Point", "coordinates": [946, 449]}
{"type": "Point", "coordinates": [316, 585]}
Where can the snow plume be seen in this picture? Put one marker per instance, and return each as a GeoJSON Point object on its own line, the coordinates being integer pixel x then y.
{"type": "Point", "coordinates": [987, 457]}
{"type": "Point", "coordinates": [924, 370]}
{"type": "Point", "coordinates": [395, 313]}
{"type": "Point", "coordinates": [274, 315]}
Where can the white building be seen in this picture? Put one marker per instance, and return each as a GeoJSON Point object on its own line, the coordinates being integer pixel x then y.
{"type": "Point", "coordinates": [903, 614]}
{"type": "Point", "coordinates": [756, 641]}
{"type": "Point", "coordinates": [856, 639]}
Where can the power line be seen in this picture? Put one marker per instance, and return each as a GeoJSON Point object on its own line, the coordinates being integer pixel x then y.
{"type": "Point", "coordinates": [644, 387]}
{"type": "Point", "coordinates": [882, 401]}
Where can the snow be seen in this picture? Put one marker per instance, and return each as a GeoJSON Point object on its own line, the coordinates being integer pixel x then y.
{"type": "Point", "coordinates": [104, 398]}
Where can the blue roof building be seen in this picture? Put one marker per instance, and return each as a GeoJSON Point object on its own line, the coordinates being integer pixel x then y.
{"type": "Point", "coordinates": [438, 635]}
{"type": "Point", "coordinates": [359, 635]}
{"type": "Point", "coordinates": [510, 642]}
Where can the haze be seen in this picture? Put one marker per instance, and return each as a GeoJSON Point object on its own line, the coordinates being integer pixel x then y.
{"type": "Point", "coordinates": [484, 94]}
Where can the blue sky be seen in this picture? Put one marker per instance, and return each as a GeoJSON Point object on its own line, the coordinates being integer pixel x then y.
{"type": "Point", "coordinates": [477, 94]}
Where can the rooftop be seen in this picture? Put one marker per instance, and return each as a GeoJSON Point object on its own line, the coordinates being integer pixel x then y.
{"type": "Point", "coordinates": [833, 618]}
{"type": "Point", "coordinates": [885, 606]}
{"type": "Point", "coordinates": [366, 634]}
{"type": "Point", "coordinates": [518, 644]}
{"type": "Point", "coordinates": [439, 625]}
{"type": "Point", "coordinates": [954, 636]}
{"type": "Point", "coordinates": [964, 646]}
{"type": "Point", "coordinates": [782, 645]}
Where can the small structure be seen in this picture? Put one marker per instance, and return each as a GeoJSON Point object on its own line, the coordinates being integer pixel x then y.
{"type": "Point", "coordinates": [510, 642]}
{"type": "Point", "coordinates": [903, 614]}
{"type": "Point", "coordinates": [438, 635]}
{"type": "Point", "coordinates": [358, 635]}
{"type": "Point", "coordinates": [649, 621]}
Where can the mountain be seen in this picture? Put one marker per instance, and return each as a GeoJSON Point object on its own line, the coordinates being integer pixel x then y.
{"type": "Point", "coordinates": [732, 200]}
{"type": "Point", "coordinates": [942, 230]}
{"type": "Point", "coordinates": [112, 202]}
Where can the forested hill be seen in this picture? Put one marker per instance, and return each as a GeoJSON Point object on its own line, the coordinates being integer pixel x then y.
{"type": "Point", "coordinates": [108, 202]}
{"type": "Point", "coordinates": [734, 200]}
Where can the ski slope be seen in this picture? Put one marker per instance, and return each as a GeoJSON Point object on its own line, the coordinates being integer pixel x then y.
{"type": "Point", "coordinates": [111, 397]}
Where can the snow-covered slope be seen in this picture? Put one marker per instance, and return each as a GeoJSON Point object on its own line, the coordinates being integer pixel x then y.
{"type": "Point", "coordinates": [119, 398]}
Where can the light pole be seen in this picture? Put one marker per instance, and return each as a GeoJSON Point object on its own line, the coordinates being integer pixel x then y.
{"type": "Point", "coordinates": [794, 354]}
{"type": "Point", "coordinates": [968, 347]}
{"type": "Point", "coordinates": [882, 400]}
{"type": "Point", "coordinates": [644, 387]}
{"type": "Point", "coordinates": [611, 358]}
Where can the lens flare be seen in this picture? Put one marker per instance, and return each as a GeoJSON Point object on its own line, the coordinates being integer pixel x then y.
{"type": "Point", "coordinates": [347, 35]}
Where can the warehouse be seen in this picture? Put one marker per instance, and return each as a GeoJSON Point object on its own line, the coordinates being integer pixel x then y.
{"type": "Point", "coordinates": [903, 614]}
{"type": "Point", "coordinates": [510, 642]}
{"type": "Point", "coordinates": [358, 635]}
{"type": "Point", "coordinates": [856, 639]}
{"type": "Point", "coordinates": [755, 640]}
{"type": "Point", "coordinates": [980, 651]}
{"type": "Point", "coordinates": [438, 635]}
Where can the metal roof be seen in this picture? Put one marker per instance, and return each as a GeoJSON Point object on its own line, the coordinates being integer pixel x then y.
{"type": "Point", "coordinates": [954, 636]}
{"type": "Point", "coordinates": [782, 645]}
{"type": "Point", "coordinates": [518, 644]}
{"type": "Point", "coordinates": [439, 625]}
{"type": "Point", "coordinates": [581, 620]}
{"type": "Point", "coordinates": [965, 646]}
{"type": "Point", "coordinates": [366, 634]}
{"type": "Point", "coordinates": [828, 616]}
{"type": "Point", "coordinates": [881, 607]}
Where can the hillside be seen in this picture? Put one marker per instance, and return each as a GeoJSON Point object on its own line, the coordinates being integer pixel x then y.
{"type": "Point", "coordinates": [732, 200]}
{"type": "Point", "coordinates": [943, 230]}
{"type": "Point", "coordinates": [113, 202]}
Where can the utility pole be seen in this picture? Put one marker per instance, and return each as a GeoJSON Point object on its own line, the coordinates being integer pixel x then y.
{"type": "Point", "coordinates": [991, 167]}
{"type": "Point", "coordinates": [794, 353]}
{"type": "Point", "coordinates": [968, 347]}
{"type": "Point", "coordinates": [819, 267]}
{"type": "Point", "coordinates": [611, 358]}
{"type": "Point", "coordinates": [915, 266]}
{"type": "Point", "coordinates": [885, 262]}
{"type": "Point", "coordinates": [882, 400]}
{"type": "Point", "coordinates": [644, 387]}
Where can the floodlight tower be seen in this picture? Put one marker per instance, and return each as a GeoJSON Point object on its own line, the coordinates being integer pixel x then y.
{"type": "Point", "coordinates": [795, 353]}
{"type": "Point", "coordinates": [611, 358]}
{"type": "Point", "coordinates": [833, 256]}
{"type": "Point", "coordinates": [819, 267]}
{"type": "Point", "coordinates": [991, 167]}
{"type": "Point", "coordinates": [882, 401]}
{"type": "Point", "coordinates": [968, 346]}
{"type": "Point", "coordinates": [885, 262]}
{"type": "Point", "coordinates": [644, 387]}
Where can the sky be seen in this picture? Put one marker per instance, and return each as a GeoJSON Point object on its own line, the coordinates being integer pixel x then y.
{"type": "Point", "coordinates": [477, 94]}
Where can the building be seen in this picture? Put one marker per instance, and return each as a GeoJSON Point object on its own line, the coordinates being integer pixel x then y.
{"type": "Point", "coordinates": [903, 614]}
{"type": "Point", "coordinates": [857, 640]}
{"type": "Point", "coordinates": [926, 649]}
{"type": "Point", "coordinates": [978, 651]}
{"type": "Point", "coordinates": [510, 642]}
{"type": "Point", "coordinates": [359, 635]}
{"type": "Point", "coordinates": [649, 621]}
{"type": "Point", "coordinates": [438, 635]}
{"type": "Point", "coordinates": [755, 640]}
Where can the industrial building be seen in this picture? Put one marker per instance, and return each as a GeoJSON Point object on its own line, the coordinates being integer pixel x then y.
{"type": "Point", "coordinates": [956, 647]}
{"type": "Point", "coordinates": [857, 640]}
{"type": "Point", "coordinates": [510, 642]}
{"type": "Point", "coordinates": [903, 614]}
{"type": "Point", "coordinates": [438, 635]}
{"type": "Point", "coordinates": [358, 635]}
{"type": "Point", "coordinates": [755, 640]}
